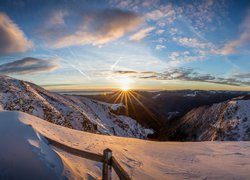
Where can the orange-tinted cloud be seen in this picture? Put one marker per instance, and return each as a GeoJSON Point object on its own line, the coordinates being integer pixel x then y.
{"type": "Point", "coordinates": [141, 34]}
{"type": "Point", "coordinates": [12, 38]}
{"type": "Point", "coordinates": [101, 27]}
{"type": "Point", "coordinates": [243, 39]}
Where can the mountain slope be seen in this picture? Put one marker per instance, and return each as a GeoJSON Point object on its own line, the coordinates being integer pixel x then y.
{"type": "Point", "coordinates": [158, 109]}
{"type": "Point", "coordinates": [74, 112]}
{"type": "Point", "coordinates": [140, 158]}
{"type": "Point", "coordinates": [229, 120]}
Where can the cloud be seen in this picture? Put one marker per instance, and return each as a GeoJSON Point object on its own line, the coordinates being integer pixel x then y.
{"type": "Point", "coordinates": [160, 31]}
{"type": "Point", "coordinates": [123, 3]}
{"type": "Point", "coordinates": [202, 14]}
{"type": "Point", "coordinates": [173, 31]}
{"type": "Point", "coordinates": [166, 12]}
{"type": "Point", "coordinates": [160, 47]}
{"type": "Point", "coordinates": [12, 38]}
{"type": "Point", "coordinates": [199, 14]}
{"type": "Point", "coordinates": [148, 3]}
{"type": "Point", "coordinates": [133, 72]}
{"type": "Point", "coordinates": [131, 4]}
{"type": "Point", "coordinates": [183, 74]}
{"type": "Point", "coordinates": [57, 18]}
{"type": "Point", "coordinates": [244, 38]}
{"type": "Point", "coordinates": [29, 65]}
{"type": "Point", "coordinates": [141, 34]}
{"type": "Point", "coordinates": [245, 75]}
{"type": "Point", "coordinates": [192, 42]}
{"type": "Point", "coordinates": [125, 72]}
{"type": "Point", "coordinates": [101, 27]}
{"type": "Point", "coordinates": [191, 75]}
{"type": "Point", "coordinates": [185, 56]}
{"type": "Point", "coordinates": [53, 27]}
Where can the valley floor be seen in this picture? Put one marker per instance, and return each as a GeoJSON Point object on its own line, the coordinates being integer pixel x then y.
{"type": "Point", "coordinates": [142, 159]}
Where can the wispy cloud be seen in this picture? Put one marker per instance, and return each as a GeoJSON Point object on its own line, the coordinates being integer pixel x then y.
{"type": "Point", "coordinates": [192, 42]}
{"type": "Point", "coordinates": [243, 39]}
{"type": "Point", "coordinates": [160, 47]}
{"type": "Point", "coordinates": [141, 34]}
{"type": "Point", "coordinates": [130, 4]}
{"type": "Point", "coordinates": [242, 75]}
{"type": "Point", "coordinates": [29, 65]}
{"type": "Point", "coordinates": [182, 74]}
{"type": "Point", "coordinates": [12, 38]}
{"type": "Point", "coordinates": [185, 56]}
{"type": "Point", "coordinates": [53, 27]}
{"type": "Point", "coordinates": [160, 31]}
{"type": "Point", "coordinates": [57, 18]}
{"type": "Point", "coordinates": [191, 75]}
{"type": "Point", "coordinates": [201, 14]}
{"type": "Point", "coordinates": [173, 31]}
{"type": "Point", "coordinates": [166, 12]}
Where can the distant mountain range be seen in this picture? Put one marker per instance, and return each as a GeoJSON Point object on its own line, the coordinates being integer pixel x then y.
{"type": "Point", "coordinates": [189, 115]}
{"type": "Point", "coordinates": [75, 112]}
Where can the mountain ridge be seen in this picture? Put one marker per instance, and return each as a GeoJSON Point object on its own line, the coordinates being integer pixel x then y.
{"type": "Point", "coordinates": [79, 113]}
{"type": "Point", "coordinates": [225, 121]}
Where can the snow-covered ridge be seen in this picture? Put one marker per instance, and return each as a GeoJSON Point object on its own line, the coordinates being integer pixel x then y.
{"type": "Point", "coordinates": [70, 111]}
{"type": "Point", "coordinates": [229, 120]}
{"type": "Point", "coordinates": [140, 158]}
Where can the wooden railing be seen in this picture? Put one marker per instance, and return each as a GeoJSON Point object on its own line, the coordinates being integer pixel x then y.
{"type": "Point", "coordinates": [106, 159]}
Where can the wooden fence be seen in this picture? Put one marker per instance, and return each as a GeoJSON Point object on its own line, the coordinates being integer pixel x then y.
{"type": "Point", "coordinates": [106, 159]}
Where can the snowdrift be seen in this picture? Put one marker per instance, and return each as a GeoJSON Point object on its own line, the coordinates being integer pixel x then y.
{"type": "Point", "coordinates": [24, 154]}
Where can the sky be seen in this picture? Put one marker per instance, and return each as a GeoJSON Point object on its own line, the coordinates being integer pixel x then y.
{"type": "Point", "coordinates": [150, 44]}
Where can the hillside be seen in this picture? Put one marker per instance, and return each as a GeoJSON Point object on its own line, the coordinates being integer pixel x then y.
{"type": "Point", "coordinates": [142, 159]}
{"type": "Point", "coordinates": [74, 112]}
{"type": "Point", "coordinates": [227, 121]}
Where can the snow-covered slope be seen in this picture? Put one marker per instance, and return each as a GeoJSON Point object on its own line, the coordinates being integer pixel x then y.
{"type": "Point", "coordinates": [24, 153]}
{"type": "Point", "coordinates": [141, 159]}
{"type": "Point", "coordinates": [229, 120]}
{"type": "Point", "coordinates": [70, 111]}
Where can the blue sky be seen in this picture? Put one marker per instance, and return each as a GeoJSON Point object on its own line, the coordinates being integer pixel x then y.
{"type": "Point", "coordinates": [150, 44]}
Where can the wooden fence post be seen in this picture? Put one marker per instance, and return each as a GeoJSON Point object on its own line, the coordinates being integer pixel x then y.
{"type": "Point", "coordinates": [106, 158]}
{"type": "Point", "coordinates": [107, 168]}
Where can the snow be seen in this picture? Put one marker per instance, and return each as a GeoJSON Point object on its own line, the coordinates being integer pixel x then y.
{"type": "Point", "coordinates": [24, 154]}
{"type": "Point", "coordinates": [142, 159]}
{"type": "Point", "coordinates": [226, 121]}
{"type": "Point", "coordinates": [115, 107]}
{"type": "Point", "coordinates": [75, 112]}
{"type": "Point", "coordinates": [237, 120]}
{"type": "Point", "coordinates": [108, 123]}
{"type": "Point", "coordinates": [190, 95]}
{"type": "Point", "coordinates": [156, 96]}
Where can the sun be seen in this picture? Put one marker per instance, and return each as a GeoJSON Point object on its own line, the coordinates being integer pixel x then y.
{"type": "Point", "coordinates": [125, 84]}
{"type": "Point", "coordinates": [125, 87]}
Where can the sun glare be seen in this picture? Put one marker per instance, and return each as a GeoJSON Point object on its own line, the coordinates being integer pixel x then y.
{"type": "Point", "coordinates": [125, 84]}
{"type": "Point", "coordinates": [125, 87]}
